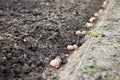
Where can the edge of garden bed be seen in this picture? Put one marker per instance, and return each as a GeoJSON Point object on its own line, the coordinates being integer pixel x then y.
{"type": "Point", "coordinates": [68, 71]}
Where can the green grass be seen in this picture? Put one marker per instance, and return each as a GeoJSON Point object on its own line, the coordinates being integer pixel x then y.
{"type": "Point", "coordinates": [89, 70]}
{"type": "Point", "coordinates": [92, 70]}
{"type": "Point", "coordinates": [93, 33]}
{"type": "Point", "coordinates": [74, 12]}
{"type": "Point", "coordinates": [115, 41]}
{"type": "Point", "coordinates": [106, 78]}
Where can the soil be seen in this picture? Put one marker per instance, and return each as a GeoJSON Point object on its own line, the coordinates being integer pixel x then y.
{"type": "Point", "coordinates": [33, 32]}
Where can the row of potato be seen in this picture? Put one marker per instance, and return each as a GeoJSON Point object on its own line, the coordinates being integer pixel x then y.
{"type": "Point", "coordinates": [57, 61]}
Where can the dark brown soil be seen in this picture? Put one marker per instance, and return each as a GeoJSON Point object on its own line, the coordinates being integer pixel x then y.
{"type": "Point", "coordinates": [36, 31]}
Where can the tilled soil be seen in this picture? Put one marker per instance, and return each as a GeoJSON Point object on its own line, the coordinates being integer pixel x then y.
{"type": "Point", "coordinates": [33, 32]}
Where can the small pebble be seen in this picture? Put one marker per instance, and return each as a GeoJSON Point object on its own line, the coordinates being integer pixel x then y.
{"type": "Point", "coordinates": [85, 76]}
{"type": "Point", "coordinates": [104, 73]}
{"type": "Point", "coordinates": [97, 75]}
{"type": "Point", "coordinates": [86, 79]}
{"type": "Point", "coordinates": [83, 32]}
{"type": "Point", "coordinates": [78, 33]}
{"type": "Point", "coordinates": [92, 78]}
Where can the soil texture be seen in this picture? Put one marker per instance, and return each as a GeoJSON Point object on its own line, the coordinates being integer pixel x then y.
{"type": "Point", "coordinates": [33, 32]}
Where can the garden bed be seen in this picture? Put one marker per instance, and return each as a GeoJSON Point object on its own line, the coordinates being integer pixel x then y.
{"type": "Point", "coordinates": [33, 32]}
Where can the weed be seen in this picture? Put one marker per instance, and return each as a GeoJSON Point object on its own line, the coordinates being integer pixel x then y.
{"type": "Point", "coordinates": [1, 37]}
{"type": "Point", "coordinates": [99, 43]}
{"type": "Point", "coordinates": [15, 45]}
{"type": "Point", "coordinates": [4, 58]}
{"type": "Point", "coordinates": [93, 33]}
{"type": "Point", "coordinates": [74, 12]}
{"type": "Point", "coordinates": [115, 41]}
{"type": "Point", "coordinates": [89, 70]}
{"type": "Point", "coordinates": [106, 78]}
{"type": "Point", "coordinates": [98, 66]}
{"type": "Point", "coordinates": [15, 20]}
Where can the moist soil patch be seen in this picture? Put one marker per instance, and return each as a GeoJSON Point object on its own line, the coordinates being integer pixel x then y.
{"type": "Point", "coordinates": [33, 32]}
